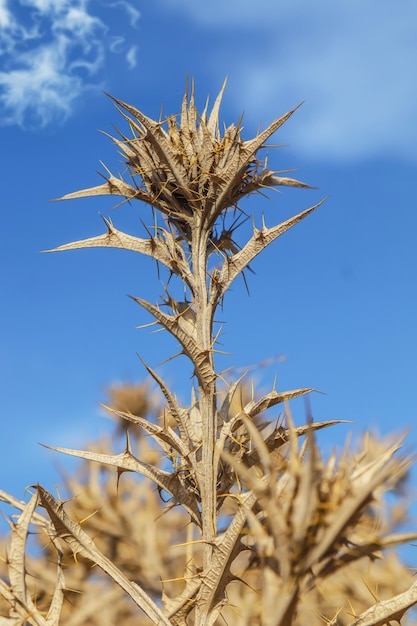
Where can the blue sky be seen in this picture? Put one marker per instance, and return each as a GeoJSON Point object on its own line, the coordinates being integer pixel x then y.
{"type": "Point", "coordinates": [333, 302]}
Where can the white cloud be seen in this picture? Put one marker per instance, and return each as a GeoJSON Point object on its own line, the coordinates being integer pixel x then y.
{"type": "Point", "coordinates": [116, 44]}
{"type": "Point", "coordinates": [50, 6]}
{"type": "Point", "coordinates": [77, 22]}
{"type": "Point", "coordinates": [42, 91]}
{"type": "Point", "coordinates": [354, 63]}
{"type": "Point", "coordinates": [51, 51]}
{"type": "Point", "coordinates": [131, 56]}
{"type": "Point", "coordinates": [133, 13]}
{"type": "Point", "coordinates": [5, 16]}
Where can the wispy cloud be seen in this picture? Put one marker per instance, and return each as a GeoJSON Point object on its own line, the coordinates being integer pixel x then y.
{"type": "Point", "coordinates": [132, 13]}
{"type": "Point", "coordinates": [41, 92]}
{"type": "Point", "coordinates": [354, 63]}
{"type": "Point", "coordinates": [131, 57]}
{"type": "Point", "coordinates": [51, 51]}
{"type": "Point", "coordinates": [5, 16]}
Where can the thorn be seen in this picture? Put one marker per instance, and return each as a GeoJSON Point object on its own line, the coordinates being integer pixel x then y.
{"type": "Point", "coordinates": [147, 230]}
{"type": "Point", "coordinates": [147, 325]}
{"type": "Point", "coordinates": [171, 358]}
{"type": "Point", "coordinates": [245, 281]}
{"type": "Point", "coordinates": [128, 448]}
{"type": "Point", "coordinates": [106, 168]}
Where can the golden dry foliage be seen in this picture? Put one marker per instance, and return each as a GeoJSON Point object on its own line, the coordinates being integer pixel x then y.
{"type": "Point", "coordinates": [234, 520]}
{"type": "Point", "coordinates": [130, 524]}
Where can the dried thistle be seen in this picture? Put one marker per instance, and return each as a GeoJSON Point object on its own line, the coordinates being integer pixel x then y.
{"type": "Point", "coordinates": [192, 174]}
{"type": "Point", "coordinates": [263, 514]}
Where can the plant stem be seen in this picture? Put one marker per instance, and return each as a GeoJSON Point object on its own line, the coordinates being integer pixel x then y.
{"type": "Point", "coordinates": [207, 394]}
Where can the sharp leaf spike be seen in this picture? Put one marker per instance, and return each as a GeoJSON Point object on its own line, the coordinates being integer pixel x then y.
{"type": "Point", "coordinates": [81, 543]}
{"type": "Point", "coordinates": [180, 414]}
{"type": "Point", "coordinates": [127, 462]}
{"type": "Point", "coordinates": [235, 264]}
{"type": "Point", "coordinates": [213, 120]}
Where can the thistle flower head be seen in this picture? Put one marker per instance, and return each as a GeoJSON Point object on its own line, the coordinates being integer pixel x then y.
{"type": "Point", "coordinates": [187, 168]}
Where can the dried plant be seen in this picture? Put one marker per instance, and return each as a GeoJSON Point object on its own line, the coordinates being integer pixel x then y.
{"type": "Point", "coordinates": [248, 523]}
